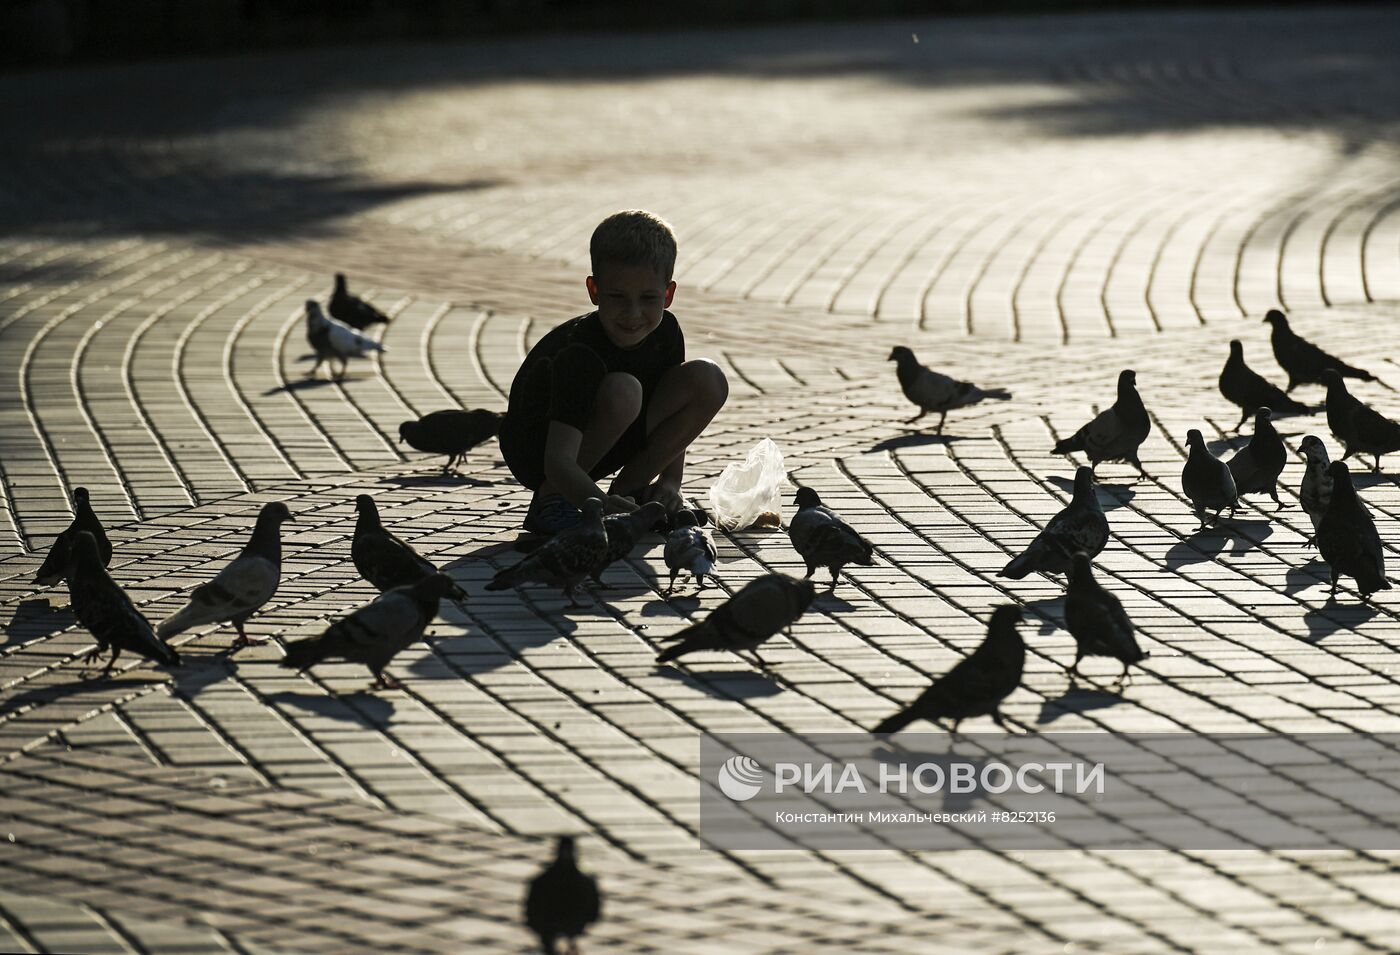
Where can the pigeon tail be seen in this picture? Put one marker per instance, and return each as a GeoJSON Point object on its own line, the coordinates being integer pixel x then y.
{"type": "Point", "coordinates": [1066, 445]}
{"type": "Point", "coordinates": [302, 654]}
{"type": "Point", "coordinates": [1019, 568]}
{"type": "Point", "coordinates": [178, 623]}
{"type": "Point", "coordinates": [1000, 394]}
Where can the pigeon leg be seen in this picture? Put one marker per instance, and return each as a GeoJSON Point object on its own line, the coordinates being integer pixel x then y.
{"type": "Point", "coordinates": [243, 639]}
{"type": "Point", "coordinates": [116, 652]}
{"type": "Point", "coordinates": [1142, 471]}
{"type": "Point", "coordinates": [573, 600]}
{"type": "Point", "coordinates": [92, 654]}
{"type": "Point", "coordinates": [1378, 463]}
{"type": "Point", "coordinates": [1073, 668]}
{"type": "Point", "coordinates": [314, 368]}
{"type": "Point", "coordinates": [1000, 720]}
{"type": "Point", "coordinates": [835, 577]}
{"type": "Point", "coordinates": [916, 417]}
{"type": "Point", "coordinates": [1273, 493]}
{"type": "Point", "coordinates": [942, 417]}
{"type": "Point", "coordinates": [811, 569]}
{"type": "Point", "coordinates": [383, 681]}
{"type": "Point", "coordinates": [1244, 416]}
{"type": "Point", "coordinates": [672, 584]}
{"type": "Point", "coordinates": [1333, 595]}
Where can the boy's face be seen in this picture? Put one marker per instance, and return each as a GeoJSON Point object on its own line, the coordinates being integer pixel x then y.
{"type": "Point", "coordinates": [630, 300]}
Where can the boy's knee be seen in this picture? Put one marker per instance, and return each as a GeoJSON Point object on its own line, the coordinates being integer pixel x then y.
{"type": "Point", "coordinates": [703, 382]}
{"type": "Point", "coordinates": [619, 398]}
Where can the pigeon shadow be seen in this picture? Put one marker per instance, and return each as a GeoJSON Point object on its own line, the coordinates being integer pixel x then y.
{"type": "Point", "coordinates": [827, 600]}
{"type": "Point", "coordinates": [504, 549]}
{"type": "Point", "coordinates": [1333, 616]}
{"type": "Point", "coordinates": [1050, 610]}
{"type": "Point", "coordinates": [301, 384]}
{"type": "Point", "coordinates": [1227, 444]}
{"type": "Point", "coordinates": [362, 706]}
{"type": "Point", "coordinates": [35, 619]}
{"type": "Point", "coordinates": [1111, 495]}
{"type": "Point", "coordinates": [1301, 578]}
{"type": "Point", "coordinates": [195, 677]}
{"type": "Point", "coordinates": [1209, 543]}
{"type": "Point", "coordinates": [436, 479]}
{"type": "Point", "coordinates": [723, 684]}
{"type": "Point", "coordinates": [917, 439]}
{"type": "Point", "coordinates": [1077, 699]}
{"type": "Point", "coordinates": [683, 605]}
{"type": "Point", "coordinates": [951, 800]}
{"type": "Point", "coordinates": [1365, 479]}
{"type": "Point", "coordinates": [92, 681]}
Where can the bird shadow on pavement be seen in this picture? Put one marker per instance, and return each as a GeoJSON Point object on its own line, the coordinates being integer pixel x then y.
{"type": "Point", "coordinates": [952, 801]}
{"type": "Point", "coordinates": [827, 600]}
{"type": "Point", "coordinates": [90, 682]}
{"type": "Point", "coordinates": [1365, 479]}
{"type": "Point", "coordinates": [362, 706]}
{"type": "Point", "coordinates": [914, 439]}
{"type": "Point", "coordinates": [435, 479]}
{"type": "Point", "coordinates": [1077, 699]}
{"type": "Point", "coordinates": [1049, 611]}
{"type": "Point", "coordinates": [1227, 444]}
{"type": "Point", "coordinates": [301, 384]}
{"type": "Point", "coordinates": [198, 674]}
{"type": "Point", "coordinates": [1210, 543]}
{"type": "Point", "coordinates": [683, 605]}
{"type": "Point", "coordinates": [1301, 578]}
{"type": "Point", "coordinates": [1333, 616]}
{"type": "Point", "coordinates": [723, 684]}
{"type": "Point", "coordinates": [1118, 495]}
{"type": "Point", "coordinates": [35, 619]}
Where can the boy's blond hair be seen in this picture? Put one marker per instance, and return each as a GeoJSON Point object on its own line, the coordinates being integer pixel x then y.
{"type": "Point", "coordinates": [634, 237]}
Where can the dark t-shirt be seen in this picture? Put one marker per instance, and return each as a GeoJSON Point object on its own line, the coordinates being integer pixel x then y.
{"type": "Point", "coordinates": [560, 376]}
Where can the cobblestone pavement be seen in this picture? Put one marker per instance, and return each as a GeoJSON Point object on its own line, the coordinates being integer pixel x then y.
{"type": "Point", "coordinates": [1034, 203]}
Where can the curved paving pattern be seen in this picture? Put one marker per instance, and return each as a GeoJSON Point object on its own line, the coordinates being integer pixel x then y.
{"type": "Point", "coordinates": [1031, 207]}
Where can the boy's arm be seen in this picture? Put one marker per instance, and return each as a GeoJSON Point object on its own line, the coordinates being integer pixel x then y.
{"type": "Point", "coordinates": [563, 474]}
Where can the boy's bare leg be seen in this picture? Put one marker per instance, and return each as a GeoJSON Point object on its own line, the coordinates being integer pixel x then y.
{"type": "Point", "coordinates": [618, 402]}
{"type": "Point", "coordinates": [686, 400]}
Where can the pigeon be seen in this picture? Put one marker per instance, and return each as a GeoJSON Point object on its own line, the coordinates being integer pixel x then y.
{"type": "Point", "coordinates": [1347, 538]}
{"type": "Point", "coordinates": [824, 540]}
{"type": "Point", "coordinates": [563, 560]}
{"type": "Point", "coordinates": [976, 685]}
{"type": "Point", "coordinates": [1360, 429]}
{"type": "Point", "coordinates": [1115, 434]}
{"type": "Point", "coordinates": [55, 565]}
{"type": "Point", "coordinates": [1301, 359]}
{"type": "Point", "coordinates": [1257, 466]}
{"type": "Point", "coordinates": [1316, 489]}
{"type": "Point", "coordinates": [623, 531]}
{"type": "Point", "coordinates": [241, 588]}
{"type": "Point", "coordinates": [764, 606]}
{"type": "Point", "coordinates": [1243, 386]}
{"type": "Point", "coordinates": [353, 310]}
{"type": "Point", "coordinates": [562, 901]}
{"type": "Point", "coordinates": [1096, 620]}
{"type": "Point", "coordinates": [1207, 481]}
{"type": "Point", "coordinates": [333, 340]}
{"type": "Point", "coordinates": [931, 391]}
{"type": "Point", "coordinates": [383, 559]}
{"type": "Point", "coordinates": [107, 612]}
{"type": "Point", "coordinates": [375, 633]}
{"type": "Point", "coordinates": [1080, 525]}
{"type": "Point", "coordinates": [452, 432]}
{"type": "Point", "coordinates": [689, 548]}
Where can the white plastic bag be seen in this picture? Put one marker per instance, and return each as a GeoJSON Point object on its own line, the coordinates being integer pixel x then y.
{"type": "Point", "coordinates": [747, 492]}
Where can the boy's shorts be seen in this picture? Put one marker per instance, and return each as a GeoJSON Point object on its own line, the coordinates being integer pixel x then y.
{"type": "Point", "coordinates": [522, 446]}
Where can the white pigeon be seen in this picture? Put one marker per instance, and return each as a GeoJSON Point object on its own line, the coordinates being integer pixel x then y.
{"type": "Point", "coordinates": [331, 339]}
{"type": "Point", "coordinates": [240, 589]}
{"type": "Point", "coordinates": [690, 549]}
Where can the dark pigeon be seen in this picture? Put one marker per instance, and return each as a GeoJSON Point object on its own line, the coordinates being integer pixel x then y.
{"type": "Point", "coordinates": [375, 633]}
{"type": "Point", "coordinates": [1115, 434]}
{"type": "Point", "coordinates": [107, 612]}
{"type": "Point", "coordinates": [624, 530]}
{"type": "Point", "coordinates": [1316, 488]}
{"type": "Point", "coordinates": [352, 310]}
{"type": "Point", "coordinates": [55, 565]}
{"type": "Point", "coordinates": [931, 391]}
{"type": "Point", "coordinates": [1097, 621]}
{"type": "Point", "coordinates": [1256, 467]}
{"type": "Point", "coordinates": [562, 901]}
{"type": "Point", "coordinates": [1079, 526]}
{"type": "Point", "coordinates": [1347, 538]}
{"type": "Point", "coordinates": [240, 589]}
{"type": "Point", "coordinates": [1360, 429]}
{"type": "Point", "coordinates": [689, 548]}
{"type": "Point", "coordinates": [1243, 386]}
{"type": "Point", "coordinates": [385, 560]}
{"type": "Point", "coordinates": [763, 607]}
{"type": "Point", "coordinates": [823, 539]}
{"type": "Point", "coordinates": [1207, 481]}
{"type": "Point", "coordinates": [452, 432]}
{"type": "Point", "coordinates": [565, 559]}
{"type": "Point", "coordinates": [976, 685]}
{"type": "Point", "coordinates": [1301, 359]}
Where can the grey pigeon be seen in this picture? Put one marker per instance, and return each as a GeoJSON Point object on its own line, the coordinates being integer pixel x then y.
{"type": "Point", "coordinates": [452, 432]}
{"type": "Point", "coordinates": [375, 633]}
{"type": "Point", "coordinates": [624, 530]}
{"type": "Point", "coordinates": [1097, 621]}
{"type": "Point", "coordinates": [1256, 466]}
{"type": "Point", "coordinates": [764, 606]}
{"type": "Point", "coordinates": [1080, 525]}
{"type": "Point", "coordinates": [107, 612]}
{"type": "Point", "coordinates": [332, 340]}
{"type": "Point", "coordinates": [1347, 538]}
{"type": "Point", "coordinates": [562, 902]}
{"type": "Point", "coordinates": [1360, 429]}
{"type": "Point", "coordinates": [55, 565]}
{"type": "Point", "coordinates": [240, 589]}
{"type": "Point", "coordinates": [1243, 386]}
{"type": "Point", "coordinates": [977, 684]}
{"type": "Point", "coordinates": [1316, 489]}
{"type": "Point", "coordinates": [1207, 481]}
{"type": "Point", "coordinates": [1116, 433]}
{"type": "Point", "coordinates": [385, 560]}
{"type": "Point", "coordinates": [565, 559]}
{"type": "Point", "coordinates": [931, 391]}
{"type": "Point", "coordinates": [353, 310]}
{"type": "Point", "coordinates": [690, 549]}
{"type": "Point", "coordinates": [1301, 359]}
{"type": "Point", "coordinates": [823, 539]}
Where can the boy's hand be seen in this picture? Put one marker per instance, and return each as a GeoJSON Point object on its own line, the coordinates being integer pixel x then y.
{"type": "Point", "coordinates": [618, 504]}
{"type": "Point", "coordinates": [667, 495]}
